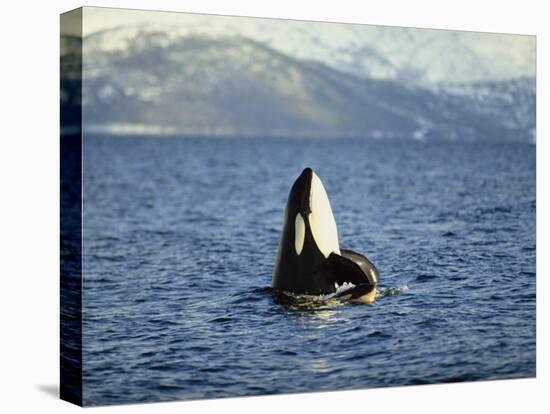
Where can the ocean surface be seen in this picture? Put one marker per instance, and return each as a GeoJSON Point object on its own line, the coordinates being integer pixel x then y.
{"type": "Point", "coordinates": [180, 238]}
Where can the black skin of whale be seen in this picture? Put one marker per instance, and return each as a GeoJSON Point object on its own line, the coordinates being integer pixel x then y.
{"type": "Point", "coordinates": [311, 272]}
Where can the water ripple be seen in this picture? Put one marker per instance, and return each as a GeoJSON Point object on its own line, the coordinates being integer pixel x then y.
{"type": "Point", "coordinates": [180, 238]}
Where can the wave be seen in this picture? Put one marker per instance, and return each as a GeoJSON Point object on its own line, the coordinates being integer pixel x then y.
{"type": "Point", "coordinates": [330, 300]}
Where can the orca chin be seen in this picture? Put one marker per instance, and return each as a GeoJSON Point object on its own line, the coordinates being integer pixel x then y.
{"type": "Point", "coordinates": [310, 260]}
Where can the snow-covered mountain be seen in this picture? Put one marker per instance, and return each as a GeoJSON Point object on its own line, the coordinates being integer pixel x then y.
{"type": "Point", "coordinates": [422, 56]}
{"type": "Point", "coordinates": [511, 104]}
{"type": "Point", "coordinates": [216, 75]}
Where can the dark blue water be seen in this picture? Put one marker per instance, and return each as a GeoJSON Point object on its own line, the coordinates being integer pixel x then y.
{"type": "Point", "coordinates": [180, 237]}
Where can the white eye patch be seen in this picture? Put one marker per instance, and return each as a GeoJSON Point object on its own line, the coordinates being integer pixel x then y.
{"type": "Point", "coordinates": [299, 233]}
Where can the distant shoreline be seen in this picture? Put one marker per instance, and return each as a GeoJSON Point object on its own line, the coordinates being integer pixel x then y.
{"type": "Point", "coordinates": [173, 133]}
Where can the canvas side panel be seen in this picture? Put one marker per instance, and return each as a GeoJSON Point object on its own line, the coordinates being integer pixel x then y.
{"type": "Point", "coordinates": [71, 206]}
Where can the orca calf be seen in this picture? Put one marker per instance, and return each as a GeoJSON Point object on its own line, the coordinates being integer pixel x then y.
{"type": "Point", "coordinates": [309, 260]}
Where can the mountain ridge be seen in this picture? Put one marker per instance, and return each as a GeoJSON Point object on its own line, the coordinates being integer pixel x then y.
{"type": "Point", "coordinates": [236, 86]}
{"type": "Point", "coordinates": [424, 56]}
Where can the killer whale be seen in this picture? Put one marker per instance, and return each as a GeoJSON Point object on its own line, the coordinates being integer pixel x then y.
{"type": "Point", "coordinates": [309, 259]}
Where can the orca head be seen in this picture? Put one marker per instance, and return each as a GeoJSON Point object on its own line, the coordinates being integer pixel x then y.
{"type": "Point", "coordinates": [309, 211]}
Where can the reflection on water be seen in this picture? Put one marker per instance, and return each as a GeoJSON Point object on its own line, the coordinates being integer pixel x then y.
{"type": "Point", "coordinates": [316, 317]}
{"type": "Point", "coordinates": [320, 365]}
